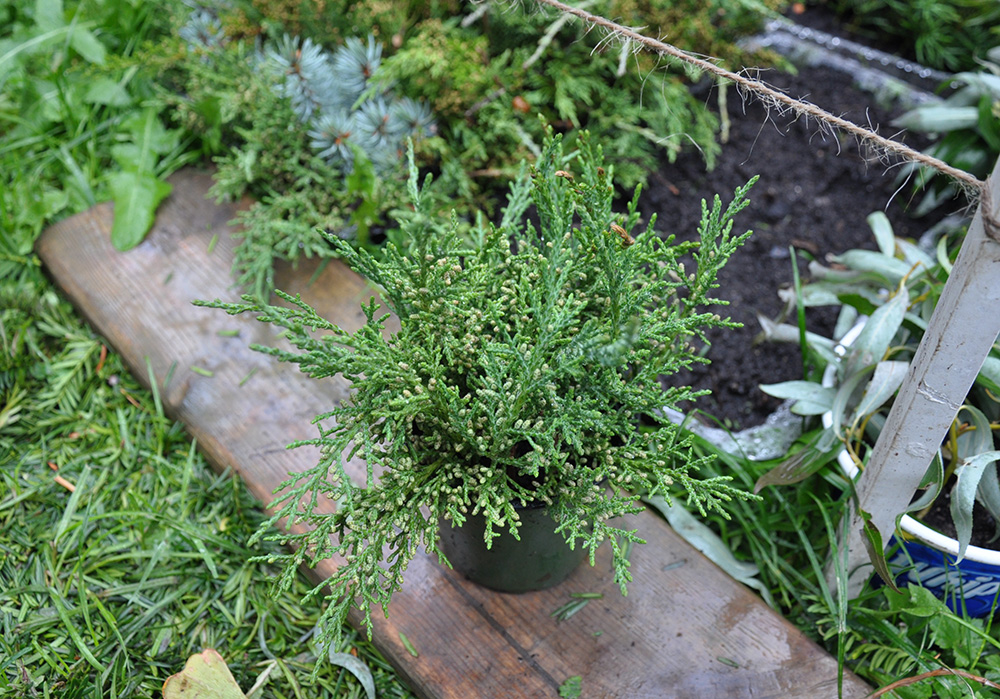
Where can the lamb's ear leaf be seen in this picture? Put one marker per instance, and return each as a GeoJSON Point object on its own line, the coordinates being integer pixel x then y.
{"type": "Point", "coordinates": [882, 228]}
{"type": "Point", "coordinates": [783, 332]}
{"type": "Point", "coordinates": [205, 676]}
{"type": "Point", "coordinates": [886, 380]}
{"type": "Point", "coordinates": [932, 483]}
{"type": "Point", "coordinates": [845, 394]}
{"type": "Point", "coordinates": [977, 440]}
{"type": "Point", "coordinates": [356, 667]}
{"type": "Point", "coordinates": [963, 495]}
{"type": "Point", "coordinates": [989, 375]}
{"type": "Point", "coordinates": [810, 397]}
{"type": "Point", "coordinates": [891, 269]}
{"type": "Point", "coordinates": [876, 550]}
{"type": "Point", "coordinates": [875, 338]}
{"type": "Point", "coordinates": [699, 535]}
{"type": "Point", "coordinates": [988, 494]}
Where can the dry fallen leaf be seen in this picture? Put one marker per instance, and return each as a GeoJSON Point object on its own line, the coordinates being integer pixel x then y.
{"type": "Point", "coordinates": [205, 676]}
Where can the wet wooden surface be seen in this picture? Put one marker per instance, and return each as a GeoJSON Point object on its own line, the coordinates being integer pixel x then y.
{"type": "Point", "coordinates": [684, 630]}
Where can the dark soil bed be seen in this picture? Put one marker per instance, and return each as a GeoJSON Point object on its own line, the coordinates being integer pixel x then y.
{"type": "Point", "coordinates": [814, 194]}
{"type": "Point", "coordinates": [984, 527]}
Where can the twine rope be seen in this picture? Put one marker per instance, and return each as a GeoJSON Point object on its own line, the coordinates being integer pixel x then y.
{"type": "Point", "coordinates": [991, 221]}
{"type": "Point", "coordinates": [782, 101]}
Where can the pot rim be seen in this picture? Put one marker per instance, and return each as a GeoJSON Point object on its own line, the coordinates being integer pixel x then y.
{"type": "Point", "coordinates": [911, 527]}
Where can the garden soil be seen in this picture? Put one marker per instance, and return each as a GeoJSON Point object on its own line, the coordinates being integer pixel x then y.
{"type": "Point", "coordinates": [814, 194]}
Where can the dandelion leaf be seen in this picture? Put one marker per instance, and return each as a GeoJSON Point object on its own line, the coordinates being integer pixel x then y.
{"type": "Point", "coordinates": [136, 196]}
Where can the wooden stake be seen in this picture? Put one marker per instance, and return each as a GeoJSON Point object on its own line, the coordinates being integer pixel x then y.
{"type": "Point", "coordinates": [963, 328]}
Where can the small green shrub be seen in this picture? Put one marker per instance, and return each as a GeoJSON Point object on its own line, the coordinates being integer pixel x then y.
{"type": "Point", "coordinates": [522, 367]}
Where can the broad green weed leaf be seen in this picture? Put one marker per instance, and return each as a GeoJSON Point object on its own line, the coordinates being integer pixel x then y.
{"type": "Point", "coordinates": [879, 223]}
{"type": "Point", "coordinates": [132, 157]}
{"type": "Point", "coordinates": [811, 398]}
{"type": "Point", "coordinates": [136, 197]}
{"type": "Point", "coordinates": [922, 602]}
{"type": "Point", "coordinates": [571, 688]}
{"type": "Point", "coordinates": [136, 191]}
{"type": "Point", "coordinates": [87, 45]}
{"type": "Point", "coordinates": [886, 380]}
{"type": "Point", "coordinates": [356, 667]}
{"type": "Point", "coordinates": [205, 676]}
{"type": "Point", "coordinates": [876, 549]}
{"type": "Point", "coordinates": [898, 600]}
{"type": "Point", "coordinates": [33, 207]}
{"type": "Point", "coordinates": [104, 90]}
{"type": "Point", "coordinates": [963, 495]}
{"type": "Point", "coordinates": [49, 15]}
{"type": "Point", "coordinates": [148, 131]}
{"type": "Point", "coordinates": [952, 633]}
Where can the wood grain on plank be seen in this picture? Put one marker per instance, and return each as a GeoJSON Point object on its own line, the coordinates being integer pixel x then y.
{"type": "Point", "coordinates": [684, 630]}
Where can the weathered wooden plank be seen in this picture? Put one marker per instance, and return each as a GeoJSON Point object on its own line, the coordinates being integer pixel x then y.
{"type": "Point", "coordinates": [684, 630]}
{"type": "Point", "coordinates": [961, 331]}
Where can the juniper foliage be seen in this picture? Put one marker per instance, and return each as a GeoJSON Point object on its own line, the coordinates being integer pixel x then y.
{"type": "Point", "coordinates": [523, 365]}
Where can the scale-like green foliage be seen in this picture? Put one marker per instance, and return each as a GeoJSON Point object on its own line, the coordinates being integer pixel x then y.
{"type": "Point", "coordinates": [524, 364]}
{"type": "Point", "coordinates": [950, 35]}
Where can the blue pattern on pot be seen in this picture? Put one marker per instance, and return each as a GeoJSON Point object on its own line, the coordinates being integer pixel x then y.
{"type": "Point", "coordinates": [970, 583]}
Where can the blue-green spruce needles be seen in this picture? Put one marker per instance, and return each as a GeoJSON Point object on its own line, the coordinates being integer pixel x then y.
{"type": "Point", "coordinates": [525, 360]}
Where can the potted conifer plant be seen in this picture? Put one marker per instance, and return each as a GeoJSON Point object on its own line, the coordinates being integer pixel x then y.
{"type": "Point", "coordinates": [513, 393]}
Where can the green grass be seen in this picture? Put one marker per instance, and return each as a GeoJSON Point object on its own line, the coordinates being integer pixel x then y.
{"type": "Point", "coordinates": [106, 589]}
{"type": "Point", "coordinates": [121, 551]}
{"type": "Point", "coordinates": [882, 636]}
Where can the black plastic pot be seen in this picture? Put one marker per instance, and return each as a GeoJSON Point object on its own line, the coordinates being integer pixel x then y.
{"type": "Point", "coordinates": [539, 559]}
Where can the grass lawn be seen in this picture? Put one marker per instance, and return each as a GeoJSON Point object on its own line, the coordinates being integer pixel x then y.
{"type": "Point", "coordinates": [122, 553]}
